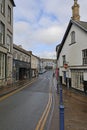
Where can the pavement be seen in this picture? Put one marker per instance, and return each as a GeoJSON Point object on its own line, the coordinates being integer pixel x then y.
{"type": "Point", "coordinates": [9, 88]}
{"type": "Point", "coordinates": [75, 107]}
{"type": "Point", "coordinates": [75, 110]}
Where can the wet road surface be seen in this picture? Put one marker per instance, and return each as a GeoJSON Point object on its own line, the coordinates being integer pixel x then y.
{"type": "Point", "coordinates": [23, 110]}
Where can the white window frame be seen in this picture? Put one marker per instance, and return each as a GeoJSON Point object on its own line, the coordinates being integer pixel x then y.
{"type": "Point", "coordinates": [73, 37]}
{"type": "Point", "coordinates": [77, 79]}
{"type": "Point", "coordinates": [84, 56]}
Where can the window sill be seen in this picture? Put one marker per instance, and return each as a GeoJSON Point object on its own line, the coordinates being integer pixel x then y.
{"type": "Point", "coordinates": [72, 43]}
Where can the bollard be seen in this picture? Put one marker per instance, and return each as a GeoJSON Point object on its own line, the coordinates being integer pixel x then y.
{"type": "Point", "coordinates": [57, 89]}
{"type": "Point", "coordinates": [61, 114]}
{"type": "Point", "coordinates": [61, 98]}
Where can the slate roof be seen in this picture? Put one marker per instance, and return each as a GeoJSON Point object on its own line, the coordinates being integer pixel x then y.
{"type": "Point", "coordinates": [82, 24]}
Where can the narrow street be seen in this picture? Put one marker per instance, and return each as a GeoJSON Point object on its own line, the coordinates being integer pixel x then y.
{"type": "Point", "coordinates": [23, 110]}
{"type": "Point", "coordinates": [36, 107]}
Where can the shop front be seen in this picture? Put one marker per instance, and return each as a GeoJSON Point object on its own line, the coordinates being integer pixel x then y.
{"type": "Point", "coordinates": [21, 70]}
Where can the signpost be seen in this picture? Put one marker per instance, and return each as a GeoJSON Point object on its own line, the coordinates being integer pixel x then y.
{"type": "Point", "coordinates": [67, 69]}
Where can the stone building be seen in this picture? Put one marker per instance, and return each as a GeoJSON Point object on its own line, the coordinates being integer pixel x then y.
{"type": "Point", "coordinates": [21, 63]}
{"type": "Point", "coordinates": [6, 41]}
{"type": "Point", "coordinates": [35, 65]}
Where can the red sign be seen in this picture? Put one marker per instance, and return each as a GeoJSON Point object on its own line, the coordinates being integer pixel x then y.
{"type": "Point", "coordinates": [65, 66]}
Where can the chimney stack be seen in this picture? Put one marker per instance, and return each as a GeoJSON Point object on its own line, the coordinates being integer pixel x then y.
{"type": "Point", "coordinates": [75, 11]}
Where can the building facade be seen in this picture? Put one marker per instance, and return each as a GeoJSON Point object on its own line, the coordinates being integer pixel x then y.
{"type": "Point", "coordinates": [6, 41]}
{"type": "Point", "coordinates": [21, 63]}
{"type": "Point", "coordinates": [35, 65]}
{"type": "Point", "coordinates": [72, 55]}
{"type": "Point", "coordinates": [47, 64]}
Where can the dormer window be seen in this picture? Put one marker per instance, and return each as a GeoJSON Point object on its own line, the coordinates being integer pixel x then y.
{"type": "Point", "coordinates": [73, 37]}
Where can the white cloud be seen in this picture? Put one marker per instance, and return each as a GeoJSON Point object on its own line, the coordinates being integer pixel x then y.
{"type": "Point", "coordinates": [42, 23]}
{"type": "Point", "coordinates": [46, 54]}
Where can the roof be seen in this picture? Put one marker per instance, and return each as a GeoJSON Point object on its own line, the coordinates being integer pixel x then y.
{"type": "Point", "coordinates": [80, 24]}
{"type": "Point", "coordinates": [12, 1]}
{"type": "Point", "coordinates": [20, 49]}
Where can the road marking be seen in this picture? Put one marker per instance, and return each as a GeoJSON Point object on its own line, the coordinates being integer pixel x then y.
{"type": "Point", "coordinates": [15, 91]}
{"type": "Point", "coordinates": [42, 121]}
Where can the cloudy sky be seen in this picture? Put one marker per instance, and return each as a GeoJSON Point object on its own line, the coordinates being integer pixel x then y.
{"type": "Point", "coordinates": [39, 25]}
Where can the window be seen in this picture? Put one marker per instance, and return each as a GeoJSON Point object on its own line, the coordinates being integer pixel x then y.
{"type": "Point", "coordinates": [15, 55]}
{"type": "Point", "coordinates": [77, 79]}
{"type": "Point", "coordinates": [73, 37]}
{"type": "Point", "coordinates": [84, 55]}
{"type": "Point", "coordinates": [2, 6]}
{"type": "Point", "coordinates": [21, 56]}
{"type": "Point", "coordinates": [64, 59]}
{"type": "Point", "coordinates": [9, 41]}
{"type": "Point", "coordinates": [9, 15]}
{"type": "Point", "coordinates": [2, 33]}
{"type": "Point", "coordinates": [2, 65]}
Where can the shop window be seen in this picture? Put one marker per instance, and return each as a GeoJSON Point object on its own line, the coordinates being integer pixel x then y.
{"type": "Point", "coordinates": [77, 79]}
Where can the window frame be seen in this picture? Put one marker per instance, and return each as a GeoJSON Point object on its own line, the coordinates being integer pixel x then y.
{"type": "Point", "coordinates": [84, 56]}
{"type": "Point", "coordinates": [64, 59]}
{"type": "Point", "coordinates": [73, 38]}
{"type": "Point", "coordinates": [2, 33]}
{"type": "Point", "coordinates": [9, 14]}
{"type": "Point", "coordinates": [2, 7]}
{"type": "Point", "coordinates": [2, 65]}
{"type": "Point", "coordinates": [9, 42]}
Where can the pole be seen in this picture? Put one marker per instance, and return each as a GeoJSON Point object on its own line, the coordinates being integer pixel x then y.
{"type": "Point", "coordinates": [61, 98]}
{"type": "Point", "coordinates": [61, 117]}
{"type": "Point", "coordinates": [61, 111]}
{"type": "Point", "coordinates": [68, 78]}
